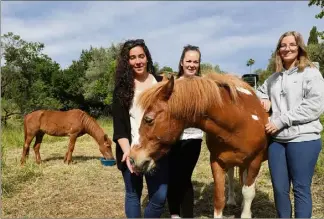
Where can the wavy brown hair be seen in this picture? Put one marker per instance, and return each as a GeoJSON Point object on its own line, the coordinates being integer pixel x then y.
{"type": "Point", "coordinates": [302, 59]}
{"type": "Point", "coordinates": [124, 76]}
{"type": "Point", "coordinates": [186, 49]}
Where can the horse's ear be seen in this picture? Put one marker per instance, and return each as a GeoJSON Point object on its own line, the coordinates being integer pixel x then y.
{"type": "Point", "coordinates": [105, 137]}
{"type": "Point", "coordinates": [167, 89]}
{"type": "Point", "coordinates": [165, 78]}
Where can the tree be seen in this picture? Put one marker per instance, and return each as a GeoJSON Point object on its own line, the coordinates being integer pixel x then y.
{"type": "Point", "coordinates": [271, 68]}
{"type": "Point", "coordinates": [219, 70]}
{"type": "Point", "coordinates": [320, 15]}
{"type": "Point", "coordinates": [156, 67]}
{"type": "Point", "coordinates": [26, 76]}
{"type": "Point", "coordinates": [313, 36]}
{"type": "Point", "coordinates": [100, 83]}
{"type": "Point", "coordinates": [316, 54]}
{"type": "Point", "coordinates": [166, 69]}
{"type": "Point", "coordinates": [206, 68]}
{"type": "Point", "coordinates": [249, 63]}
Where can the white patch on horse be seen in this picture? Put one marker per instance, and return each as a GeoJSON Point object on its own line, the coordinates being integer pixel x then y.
{"type": "Point", "coordinates": [219, 215]}
{"type": "Point", "coordinates": [244, 90]}
{"type": "Point", "coordinates": [248, 193]}
{"type": "Point", "coordinates": [255, 117]}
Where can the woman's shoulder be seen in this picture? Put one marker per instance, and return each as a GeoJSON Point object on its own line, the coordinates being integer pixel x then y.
{"type": "Point", "coordinates": [312, 73]}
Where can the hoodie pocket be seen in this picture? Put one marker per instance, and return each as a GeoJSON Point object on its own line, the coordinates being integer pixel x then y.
{"type": "Point", "coordinates": [289, 132]}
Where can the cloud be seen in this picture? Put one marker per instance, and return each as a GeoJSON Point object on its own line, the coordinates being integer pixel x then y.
{"type": "Point", "coordinates": [228, 33]}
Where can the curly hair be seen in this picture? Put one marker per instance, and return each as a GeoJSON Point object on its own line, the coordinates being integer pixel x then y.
{"type": "Point", "coordinates": [124, 76]}
{"type": "Point", "coordinates": [186, 49]}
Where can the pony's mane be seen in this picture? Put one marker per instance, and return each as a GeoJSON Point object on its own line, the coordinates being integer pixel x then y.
{"type": "Point", "coordinates": [193, 96]}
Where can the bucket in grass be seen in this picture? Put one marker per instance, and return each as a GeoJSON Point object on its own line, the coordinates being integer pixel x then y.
{"type": "Point", "coordinates": [107, 162]}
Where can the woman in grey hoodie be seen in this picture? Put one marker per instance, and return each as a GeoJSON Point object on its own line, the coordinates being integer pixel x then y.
{"type": "Point", "coordinates": [295, 94]}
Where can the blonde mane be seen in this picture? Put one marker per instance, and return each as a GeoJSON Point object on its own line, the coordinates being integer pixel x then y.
{"type": "Point", "coordinates": [191, 97]}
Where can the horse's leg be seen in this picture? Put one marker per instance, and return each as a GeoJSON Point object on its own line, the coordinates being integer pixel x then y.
{"type": "Point", "coordinates": [28, 140]}
{"type": "Point", "coordinates": [38, 141]}
{"type": "Point", "coordinates": [248, 189]}
{"type": "Point", "coordinates": [231, 194]}
{"type": "Point", "coordinates": [68, 155]}
{"type": "Point", "coordinates": [219, 189]}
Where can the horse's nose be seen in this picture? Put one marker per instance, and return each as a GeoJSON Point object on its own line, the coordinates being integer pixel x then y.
{"type": "Point", "coordinates": [131, 160]}
{"type": "Point", "coordinates": [146, 164]}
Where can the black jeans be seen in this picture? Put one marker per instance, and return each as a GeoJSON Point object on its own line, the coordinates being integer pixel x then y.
{"type": "Point", "coordinates": [183, 159]}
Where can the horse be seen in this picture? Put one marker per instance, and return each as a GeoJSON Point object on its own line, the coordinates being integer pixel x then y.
{"type": "Point", "coordinates": [73, 123]}
{"type": "Point", "coordinates": [227, 109]}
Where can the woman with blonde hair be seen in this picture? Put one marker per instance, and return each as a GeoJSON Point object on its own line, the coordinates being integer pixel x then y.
{"type": "Point", "coordinates": [295, 94]}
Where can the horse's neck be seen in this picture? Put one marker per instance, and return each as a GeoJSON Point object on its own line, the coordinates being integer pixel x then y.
{"type": "Point", "coordinates": [93, 129]}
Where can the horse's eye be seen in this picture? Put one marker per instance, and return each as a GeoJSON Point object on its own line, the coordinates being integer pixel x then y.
{"type": "Point", "coordinates": [148, 119]}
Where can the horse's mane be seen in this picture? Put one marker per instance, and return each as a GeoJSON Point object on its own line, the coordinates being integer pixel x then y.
{"type": "Point", "coordinates": [193, 96]}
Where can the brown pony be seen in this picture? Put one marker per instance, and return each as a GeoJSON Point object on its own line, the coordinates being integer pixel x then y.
{"type": "Point", "coordinates": [73, 123]}
{"type": "Point", "coordinates": [223, 106]}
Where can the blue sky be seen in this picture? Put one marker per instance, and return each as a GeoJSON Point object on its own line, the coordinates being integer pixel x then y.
{"type": "Point", "coordinates": [228, 33]}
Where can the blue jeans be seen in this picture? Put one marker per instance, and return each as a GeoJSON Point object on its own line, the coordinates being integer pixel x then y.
{"type": "Point", "coordinates": [157, 186]}
{"type": "Point", "coordinates": [293, 162]}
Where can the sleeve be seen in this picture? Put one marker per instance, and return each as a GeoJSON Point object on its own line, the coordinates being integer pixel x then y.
{"type": "Point", "coordinates": [311, 107]}
{"type": "Point", "coordinates": [262, 91]}
{"type": "Point", "coordinates": [119, 121]}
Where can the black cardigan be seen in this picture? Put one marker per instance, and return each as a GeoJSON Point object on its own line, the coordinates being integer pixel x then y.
{"type": "Point", "coordinates": [122, 127]}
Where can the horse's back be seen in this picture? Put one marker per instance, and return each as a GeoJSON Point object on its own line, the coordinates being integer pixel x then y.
{"type": "Point", "coordinates": [244, 135]}
{"type": "Point", "coordinates": [56, 123]}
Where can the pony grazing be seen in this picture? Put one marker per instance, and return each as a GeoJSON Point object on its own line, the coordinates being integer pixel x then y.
{"type": "Point", "coordinates": [73, 123]}
{"type": "Point", "coordinates": [223, 106]}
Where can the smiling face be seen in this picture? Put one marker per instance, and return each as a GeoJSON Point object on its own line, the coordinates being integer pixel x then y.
{"type": "Point", "coordinates": [190, 63]}
{"type": "Point", "coordinates": [138, 60]}
{"type": "Point", "coordinates": [288, 49]}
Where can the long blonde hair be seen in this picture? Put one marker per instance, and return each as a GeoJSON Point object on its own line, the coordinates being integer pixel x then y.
{"type": "Point", "coordinates": [302, 58]}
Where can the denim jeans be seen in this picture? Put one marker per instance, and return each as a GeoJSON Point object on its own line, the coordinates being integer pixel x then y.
{"type": "Point", "coordinates": [157, 186]}
{"type": "Point", "coordinates": [293, 162]}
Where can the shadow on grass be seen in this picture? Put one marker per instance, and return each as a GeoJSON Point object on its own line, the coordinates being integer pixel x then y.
{"type": "Point", "coordinates": [262, 206]}
{"type": "Point", "coordinates": [75, 159]}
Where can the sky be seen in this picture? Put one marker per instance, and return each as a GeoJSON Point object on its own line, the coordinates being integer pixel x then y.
{"type": "Point", "coordinates": [227, 33]}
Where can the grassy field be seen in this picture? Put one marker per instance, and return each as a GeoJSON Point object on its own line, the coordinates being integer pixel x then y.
{"type": "Point", "coordinates": [86, 189]}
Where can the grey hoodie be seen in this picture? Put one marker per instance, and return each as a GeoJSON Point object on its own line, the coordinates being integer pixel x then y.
{"type": "Point", "coordinates": [297, 101]}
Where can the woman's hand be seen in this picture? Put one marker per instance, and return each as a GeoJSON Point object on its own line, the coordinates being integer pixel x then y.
{"type": "Point", "coordinates": [266, 104]}
{"type": "Point", "coordinates": [129, 165]}
{"type": "Point", "coordinates": [271, 128]}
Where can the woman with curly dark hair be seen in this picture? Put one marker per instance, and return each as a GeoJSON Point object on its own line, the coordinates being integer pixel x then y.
{"type": "Point", "coordinates": [135, 72]}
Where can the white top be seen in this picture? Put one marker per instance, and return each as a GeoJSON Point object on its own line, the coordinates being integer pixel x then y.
{"type": "Point", "coordinates": [136, 115]}
{"type": "Point", "coordinates": [192, 133]}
